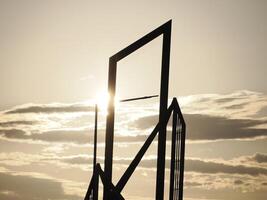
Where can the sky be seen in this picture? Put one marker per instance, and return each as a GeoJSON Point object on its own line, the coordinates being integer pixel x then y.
{"type": "Point", "coordinates": [54, 66]}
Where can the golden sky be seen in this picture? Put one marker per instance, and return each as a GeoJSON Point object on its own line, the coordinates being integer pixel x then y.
{"type": "Point", "coordinates": [54, 63]}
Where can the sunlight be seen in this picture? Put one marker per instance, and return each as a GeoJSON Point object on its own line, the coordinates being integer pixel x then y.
{"type": "Point", "coordinates": [102, 100]}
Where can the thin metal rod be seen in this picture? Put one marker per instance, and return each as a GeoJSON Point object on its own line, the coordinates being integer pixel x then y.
{"type": "Point", "coordinates": [95, 191]}
{"type": "Point", "coordinates": [139, 98]}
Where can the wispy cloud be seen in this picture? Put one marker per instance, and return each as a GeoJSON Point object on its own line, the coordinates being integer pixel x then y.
{"type": "Point", "coordinates": [50, 108]}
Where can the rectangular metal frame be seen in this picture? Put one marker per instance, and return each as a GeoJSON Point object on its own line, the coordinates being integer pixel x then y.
{"type": "Point", "coordinates": [164, 30]}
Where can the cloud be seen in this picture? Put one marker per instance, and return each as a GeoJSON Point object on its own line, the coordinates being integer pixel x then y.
{"type": "Point", "coordinates": [212, 167]}
{"type": "Point", "coordinates": [191, 165]}
{"type": "Point", "coordinates": [14, 123]}
{"type": "Point", "coordinates": [68, 136]}
{"type": "Point", "coordinates": [199, 127]}
{"type": "Point", "coordinates": [258, 158]}
{"type": "Point", "coordinates": [51, 108]}
{"type": "Point", "coordinates": [238, 182]}
{"type": "Point", "coordinates": [73, 136]}
{"type": "Point", "coordinates": [206, 127]}
{"type": "Point", "coordinates": [239, 104]}
{"type": "Point", "coordinates": [20, 187]}
{"type": "Point", "coordinates": [208, 117]}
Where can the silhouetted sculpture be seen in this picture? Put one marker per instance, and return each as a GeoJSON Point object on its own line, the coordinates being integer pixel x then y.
{"type": "Point", "coordinates": [112, 191]}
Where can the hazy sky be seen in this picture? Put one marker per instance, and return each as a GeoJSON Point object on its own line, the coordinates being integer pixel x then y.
{"type": "Point", "coordinates": [58, 50]}
{"type": "Point", "coordinates": [54, 61]}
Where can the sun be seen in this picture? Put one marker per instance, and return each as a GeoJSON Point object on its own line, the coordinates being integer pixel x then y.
{"type": "Point", "coordinates": [102, 100]}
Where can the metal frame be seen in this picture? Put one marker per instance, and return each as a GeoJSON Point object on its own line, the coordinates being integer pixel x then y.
{"type": "Point", "coordinates": [164, 30]}
{"type": "Point", "coordinates": [177, 160]}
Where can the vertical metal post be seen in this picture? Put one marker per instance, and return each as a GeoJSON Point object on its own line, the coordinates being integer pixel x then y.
{"type": "Point", "coordinates": [181, 181]}
{"type": "Point", "coordinates": [95, 191]}
{"type": "Point", "coordinates": [173, 145]}
{"type": "Point", "coordinates": [163, 108]}
{"type": "Point", "coordinates": [110, 124]}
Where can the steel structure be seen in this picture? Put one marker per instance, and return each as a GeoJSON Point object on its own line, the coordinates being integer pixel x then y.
{"type": "Point", "coordinates": [112, 191]}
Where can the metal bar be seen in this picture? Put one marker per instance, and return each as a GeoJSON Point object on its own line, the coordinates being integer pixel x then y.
{"type": "Point", "coordinates": [163, 107]}
{"type": "Point", "coordinates": [95, 191]}
{"type": "Point", "coordinates": [181, 181]}
{"type": "Point", "coordinates": [174, 123]}
{"type": "Point", "coordinates": [89, 190]}
{"type": "Point", "coordinates": [139, 98]}
{"type": "Point", "coordinates": [110, 123]}
{"type": "Point", "coordinates": [178, 159]}
{"type": "Point", "coordinates": [141, 42]}
{"type": "Point", "coordinates": [113, 193]}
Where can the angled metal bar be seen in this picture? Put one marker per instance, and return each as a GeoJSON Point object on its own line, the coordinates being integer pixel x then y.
{"type": "Point", "coordinates": [165, 29]}
{"type": "Point", "coordinates": [90, 189]}
{"type": "Point", "coordinates": [177, 109]}
{"type": "Point", "coordinates": [138, 98]}
{"type": "Point", "coordinates": [129, 171]}
{"type": "Point", "coordinates": [141, 42]}
{"type": "Point", "coordinates": [113, 193]}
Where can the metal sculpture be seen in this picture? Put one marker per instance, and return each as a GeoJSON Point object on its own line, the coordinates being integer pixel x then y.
{"type": "Point", "coordinates": [112, 191]}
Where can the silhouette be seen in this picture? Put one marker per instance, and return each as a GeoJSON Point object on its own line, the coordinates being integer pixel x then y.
{"type": "Point", "coordinates": [111, 191]}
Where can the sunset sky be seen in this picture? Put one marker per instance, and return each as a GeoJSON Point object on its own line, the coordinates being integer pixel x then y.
{"type": "Point", "coordinates": [54, 67]}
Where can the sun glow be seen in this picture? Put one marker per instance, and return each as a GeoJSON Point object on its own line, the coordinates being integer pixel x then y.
{"type": "Point", "coordinates": [102, 101]}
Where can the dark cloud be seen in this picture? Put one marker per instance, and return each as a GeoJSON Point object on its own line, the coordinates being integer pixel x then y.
{"type": "Point", "coordinates": [262, 112]}
{"type": "Point", "coordinates": [199, 127]}
{"type": "Point", "coordinates": [73, 136]}
{"type": "Point", "coordinates": [14, 134]}
{"type": "Point", "coordinates": [205, 127]}
{"type": "Point", "coordinates": [192, 184]}
{"type": "Point", "coordinates": [191, 165]}
{"type": "Point", "coordinates": [19, 187]}
{"type": "Point", "coordinates": [13, 123]}
{"type": "Point", "coordinates": [212, 167]}
{"type": "Point", "coordinates": [236, 106]}
{"type": "Point", "coordinates": [51, 109]}
{"type": "Point", "coordinates": [238, 182]}
{"type": "Point", "coordinates": [224, 100]}
{"type": "Point", "coordinates": [259, 157]}
{"type": "Point", "coordinates": [67, 136]}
